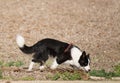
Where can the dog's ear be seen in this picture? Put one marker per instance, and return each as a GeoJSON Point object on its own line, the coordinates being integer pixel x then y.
{"type": "Point", "coordinates": [83, 54]}
{"type": "Point", "coordinates": [88, 55]}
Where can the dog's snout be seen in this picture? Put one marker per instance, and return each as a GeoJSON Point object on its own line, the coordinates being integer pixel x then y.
{"type": "Point", "coordinates": [89, 70]}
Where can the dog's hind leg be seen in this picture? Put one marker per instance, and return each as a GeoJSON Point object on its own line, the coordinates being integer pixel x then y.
{"type": "Point", "coordinates": [31, 66]}
{"type": "Point", "coordinates": [43, 58]}
{"type": "Point", "coordinates": [42, 67]}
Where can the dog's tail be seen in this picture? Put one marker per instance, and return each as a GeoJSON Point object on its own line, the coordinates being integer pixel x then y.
{"type": "Point", "coordinates": [21, 43]}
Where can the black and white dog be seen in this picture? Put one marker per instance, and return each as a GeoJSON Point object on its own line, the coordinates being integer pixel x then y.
{"type": "Point", "coordinates": [61, 51]}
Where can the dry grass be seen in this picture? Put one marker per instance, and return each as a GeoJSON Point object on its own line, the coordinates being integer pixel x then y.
{"type": "Point", "coordinates": [93, 25]}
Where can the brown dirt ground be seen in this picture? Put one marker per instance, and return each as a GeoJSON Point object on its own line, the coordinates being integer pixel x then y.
{"type": "Point", "coordinates": [15, 73]}
{"type": "Point", "coordinates": [93, 25]}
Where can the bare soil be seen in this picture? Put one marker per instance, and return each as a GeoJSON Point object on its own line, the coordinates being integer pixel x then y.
{"type": "Point", "coordinates": [93, 25]}
{"type": "Point", "coordinates": [15, 73]}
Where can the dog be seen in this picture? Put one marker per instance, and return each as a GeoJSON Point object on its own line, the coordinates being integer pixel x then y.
{"type": "Point", "coordinates": [61, 52]}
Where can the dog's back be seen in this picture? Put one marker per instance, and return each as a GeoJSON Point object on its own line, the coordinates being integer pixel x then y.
{"type": "Point", "coordinates": [44, 44]}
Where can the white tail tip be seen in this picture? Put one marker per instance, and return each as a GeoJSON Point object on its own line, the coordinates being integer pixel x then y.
{"type": "Point", "coordinates": [20, 41]}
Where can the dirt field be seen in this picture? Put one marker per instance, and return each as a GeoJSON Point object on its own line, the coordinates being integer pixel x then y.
{"type": "Point", "coordinates": [93, 25]}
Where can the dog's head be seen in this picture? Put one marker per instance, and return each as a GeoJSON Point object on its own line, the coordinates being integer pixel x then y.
{"type": "Point", "coordinates": [81, 60]}
{"type": "Point", "coordinates": [84, 61]}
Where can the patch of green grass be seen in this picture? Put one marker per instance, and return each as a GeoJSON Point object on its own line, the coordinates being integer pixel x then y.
{"type": "Point", "coordinates": [107, 75]}
{"type": "Point", "coordinates": [66, 76]}
{"type": "Point", "coordinates": [7, 78]}
{"type": "Point", "coordinates": [1, 63]}
{"type": "Point", "coordinates": [18, 63]}
{"type": "Point", "coordinates": [1, 76]}
{"type": "Point", "coordinates": [12, 63]}
{"type": "Point", "coordinates": [28, 78]}
{"type": "Point", "coordinates": [117, 70]}
{"type": "Point", "coordinates": [9, 64]}
{"type": "Point", "coordinates": [101, 73]}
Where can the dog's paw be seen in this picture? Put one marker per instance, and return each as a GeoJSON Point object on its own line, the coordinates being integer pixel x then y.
{"type": "Point", "coordinates": [53, 67]}
{"type": "Point", "coordinates": [29, 70]}
{"type": "Point", "coordinates": [42, 67]}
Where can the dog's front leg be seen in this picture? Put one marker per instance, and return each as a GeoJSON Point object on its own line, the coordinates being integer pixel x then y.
{"type": "Point", "coordinates": [54, 65]}
{"type": "Point", "coordinates": [31, 66]}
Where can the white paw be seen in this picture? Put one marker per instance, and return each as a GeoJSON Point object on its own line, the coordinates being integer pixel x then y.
{"type": "Point", "coordinates": [42, 67]}
{"type": "Point", "coordinates": [29, 70]}
{"type": "Point", "coordinates": [53, 67]}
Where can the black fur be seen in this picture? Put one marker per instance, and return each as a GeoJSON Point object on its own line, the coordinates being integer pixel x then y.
{"type": "Point", "coordinates": [46, 47]}
{"type": "Point", "coordinates": [84, 59]}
